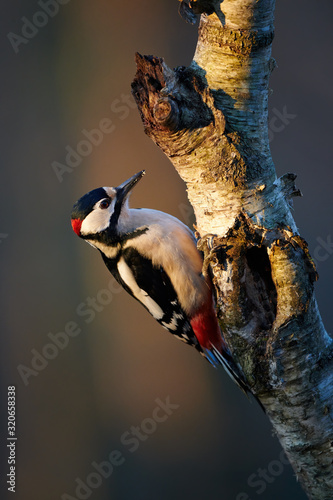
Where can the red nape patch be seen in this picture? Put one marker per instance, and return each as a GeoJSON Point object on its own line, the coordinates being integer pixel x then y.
{"type": "Point", "coordinates": [76, 225]}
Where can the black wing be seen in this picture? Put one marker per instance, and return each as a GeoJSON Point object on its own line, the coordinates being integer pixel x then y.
{"type": "Point", "coordinates": [157, 285]}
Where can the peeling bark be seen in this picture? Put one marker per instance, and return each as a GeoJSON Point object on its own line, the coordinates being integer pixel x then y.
{"type": "Point", "coordinates": [210, 119]}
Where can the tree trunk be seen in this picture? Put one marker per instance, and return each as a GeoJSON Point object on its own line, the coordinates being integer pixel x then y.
{"type": "Point", "coordinates": [210, 119]}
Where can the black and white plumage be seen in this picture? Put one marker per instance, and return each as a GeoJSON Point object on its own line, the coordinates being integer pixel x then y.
{"type": "Point", "coordinates": [154, 257]}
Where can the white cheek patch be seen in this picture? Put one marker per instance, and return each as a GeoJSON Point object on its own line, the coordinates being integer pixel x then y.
{"type": "Point", "coordinates": [97, 220]}
{"type": "Point", "coordinates": [143, 297]}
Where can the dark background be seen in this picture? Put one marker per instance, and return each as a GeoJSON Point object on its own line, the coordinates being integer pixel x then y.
{"type": "Point", "coordinates": [71, 75]}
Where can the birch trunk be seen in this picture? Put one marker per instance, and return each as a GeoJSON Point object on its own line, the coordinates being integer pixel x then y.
{"type": "Point", "coordinates": [210, 119]}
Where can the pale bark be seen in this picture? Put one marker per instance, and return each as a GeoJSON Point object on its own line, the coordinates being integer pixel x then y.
{"type": "Point", "coordinates": [210, 119]}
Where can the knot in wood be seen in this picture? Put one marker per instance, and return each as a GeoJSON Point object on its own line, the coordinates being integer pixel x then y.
{"type": "Point", "coordinates": [166, 113]}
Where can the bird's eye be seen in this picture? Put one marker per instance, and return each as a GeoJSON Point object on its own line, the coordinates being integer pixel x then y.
{"type": "Point", "coordinates": [104, 203]}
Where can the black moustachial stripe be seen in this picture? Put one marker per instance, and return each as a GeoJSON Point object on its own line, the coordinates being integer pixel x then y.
{"type": "Point", "coordinates": [111, 238]}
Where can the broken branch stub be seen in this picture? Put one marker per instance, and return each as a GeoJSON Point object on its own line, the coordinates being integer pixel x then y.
{"type": "Point", "coordinates": [172, 103]}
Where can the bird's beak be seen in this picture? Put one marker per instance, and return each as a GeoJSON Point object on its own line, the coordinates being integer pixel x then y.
{"type": "Point", "coordinates": [126, 187]}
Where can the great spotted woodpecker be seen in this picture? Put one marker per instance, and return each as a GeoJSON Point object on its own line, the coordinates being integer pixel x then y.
{"type": "Point", "coordinates": [155, 258]}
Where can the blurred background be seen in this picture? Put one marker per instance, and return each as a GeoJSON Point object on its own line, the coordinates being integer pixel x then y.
{"type": "Point", "coordinates": [89, 364]}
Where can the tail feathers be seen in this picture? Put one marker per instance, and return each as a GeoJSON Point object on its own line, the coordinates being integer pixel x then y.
{"type": "Point", "coordinates": [216, 358]}
{"type": "Point", "coordinates": [225, 359]}
{"type": "Point", "coordinates": [210, 356]}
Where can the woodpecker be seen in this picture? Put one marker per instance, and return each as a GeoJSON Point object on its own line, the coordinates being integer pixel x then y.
{"type": "Point", "coordinates": [155, 258]}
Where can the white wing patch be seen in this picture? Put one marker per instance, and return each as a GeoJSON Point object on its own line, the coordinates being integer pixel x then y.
{"type": "Point", "coordinates": [127, 276]}
{"type": "Point", "coordinates": [98, 219]}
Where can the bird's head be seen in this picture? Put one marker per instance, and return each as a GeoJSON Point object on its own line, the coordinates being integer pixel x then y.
{"type": "Point", "coordinates": [97, 212]}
